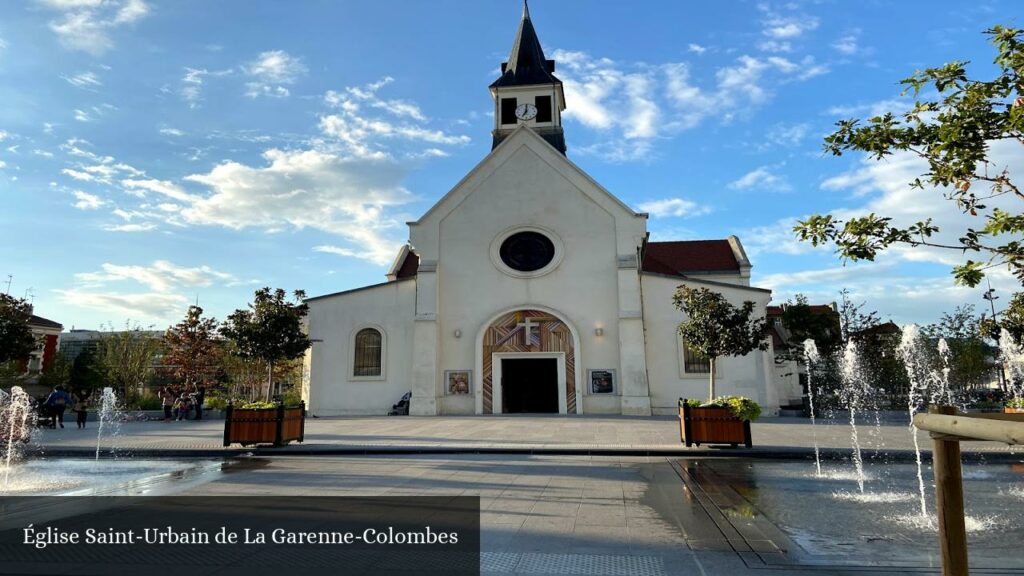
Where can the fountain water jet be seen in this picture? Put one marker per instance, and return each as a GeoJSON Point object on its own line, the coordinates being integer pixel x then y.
{"type": "Point", "coordinates": [811, 353]}
{"type": "Point", "coordinates": [913, 360]}
{"type": "Point", "coordinates": [16, 426]}
{"type": "Point", "coordinates": [853, 395]}
{"type": "Point", "coordinates": [1013, 360]}
{"type": "Point", "coordinates": [107, 415]}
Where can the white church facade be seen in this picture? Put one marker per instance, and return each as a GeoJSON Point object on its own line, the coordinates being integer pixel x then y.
{"type": "Point", "coordinates": [529, 288]}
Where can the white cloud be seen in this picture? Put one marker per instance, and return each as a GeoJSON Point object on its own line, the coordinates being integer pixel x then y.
{"type": "Point", "coordinates": [171, 132]}
{"type": "Point", "coordinates": [130, 227]}
{"type": "Point", "coordinates": [762, 178]}
{"type": "Point", "coordinates": [160, 276]}
{"type": "Point", "coordinates": [696, 48]}
{"type": "Point", "coordinates": [307, 189]}
{"type": "Point", "coordinates": [86, 80]}
{"type": "Point", "coordinates": [157, 306]}
{"type": "Point", "coordinates": [82, 115]}
{"type": "Point", "coordinates": [87, 201]}
{"type": "Point", "coordinates": [86, 25]}
{"type": "Point", "coordinates": [846, 45]}
{"type": "Point", "coordinates": [192, 84]}
{"type": "Point", "coordinates": [883, 187]}
{"type": "Point", "coordinates": [780, 27]}
{"type": "Point", "coordinates": [4, 135]}
{"type": "Point", "coordinates": [678, 207]}
{"type": "Point", "coordinates": [271, 70]}
{"type": "Point", "coordinates": [3, 164]}
{"type": "Point", "coordinates": [641, 102]}
{"type": "Point", "coordinates": [163, 187]}
{"type": "Point", "coordinates": [787, 135]}
{"type": "Point", "coordinates": [78, 175]}
{"type": "Point", "coordinates": [777, 238]}
{"type": "Point", "coordinates": [364, 134]}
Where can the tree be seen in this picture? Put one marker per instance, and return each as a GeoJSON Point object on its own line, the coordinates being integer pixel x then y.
{"type": "Point", "coordinates": [1011, 319]}
{"type": "Point", "coordinates": [126, 360]}
{"type": "Point", "coordinates": [16, 339]}
{"type": "Point", "coordinates": [58, 373]}
{"type": "Point", "coordinates": [190, 347]}
{"type": "Point", "coordinates": [970, 359]}
{"type": "Point", "coordinates": [852, 317]}
{"type": "Point", "coordinates": [714, 327]}
{"type": "Point", "coordinates": [86, 376]}
{"type": "Point", "coordinates": [271, 330]}
{"type": "Point", "coordinates": [953, 134]}
{"type": "Point", "coordinates": [803, 323]}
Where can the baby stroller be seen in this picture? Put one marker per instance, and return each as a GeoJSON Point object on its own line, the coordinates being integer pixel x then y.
{"type": "Point", "coordinates": [402, 408]}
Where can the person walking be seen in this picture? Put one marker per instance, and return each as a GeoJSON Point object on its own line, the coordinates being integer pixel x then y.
{"type": "Point", "coordinates": [167, 402]}
{"type": "Point", "coordinates": [81, 410]}
{"type": "Point", "coordinates": [199, 396]}
{"type": "Point", "coordinates": [57, 403]}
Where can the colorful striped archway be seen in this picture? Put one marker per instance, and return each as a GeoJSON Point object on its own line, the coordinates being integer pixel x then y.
{"type": "Point", "coordinates": [527, 331]}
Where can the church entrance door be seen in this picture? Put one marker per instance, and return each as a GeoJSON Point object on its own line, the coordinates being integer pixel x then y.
{"type": "Point", "coordinates": [529, 385]}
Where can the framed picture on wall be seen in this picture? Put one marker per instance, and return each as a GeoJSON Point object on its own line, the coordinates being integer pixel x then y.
{"type": "Point", "coordinates": [457, 382]}
{"type": "Point", "coordinates": [601, 381]}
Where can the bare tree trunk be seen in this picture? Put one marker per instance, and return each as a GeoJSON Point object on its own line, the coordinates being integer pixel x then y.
{"type": "Point", "coordinates": [270, 379]}
{"type": "Point", "coordinates": [711, 385]}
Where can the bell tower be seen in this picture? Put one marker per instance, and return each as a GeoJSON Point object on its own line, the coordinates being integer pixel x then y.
{"type": "Point", "coordinates": [528, 93]}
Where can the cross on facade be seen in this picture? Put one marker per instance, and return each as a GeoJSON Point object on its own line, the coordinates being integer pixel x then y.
{"type": "Point", "coordinates": [528, 326]}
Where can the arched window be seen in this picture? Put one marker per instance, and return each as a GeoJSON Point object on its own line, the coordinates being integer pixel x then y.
{"type": "Point", "coordinates": [368, 353]}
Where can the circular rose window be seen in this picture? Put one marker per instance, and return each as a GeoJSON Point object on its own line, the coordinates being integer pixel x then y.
{"type": "Point", "coordinates": [527, 251]}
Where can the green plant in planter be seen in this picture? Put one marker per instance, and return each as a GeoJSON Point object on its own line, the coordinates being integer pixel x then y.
{"type": "Point", "coordinates": [741, 407]}
{"type": "Point", "coordinates": [259, 405]}
{"type": "Point", "coordinates": [1015, 403]}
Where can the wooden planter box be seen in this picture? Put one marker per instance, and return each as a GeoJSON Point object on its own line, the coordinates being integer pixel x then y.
{"type": "Point", "coordinates": [712, 426]}
{"type": "Point", "coordinates": [277, 426]}
{"type": "Point", "coordinates": [1009, 410]}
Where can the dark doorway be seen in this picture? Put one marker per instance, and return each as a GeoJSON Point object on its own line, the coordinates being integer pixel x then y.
{"type": "Point", "coordinates": [529, 385]}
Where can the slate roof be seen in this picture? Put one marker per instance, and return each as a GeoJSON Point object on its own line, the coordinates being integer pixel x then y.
{"type": "Point", "coordinates": [44, 323]}
{"type": "Point", "coordinates": [689, 256]}
{"type": "Point", "coordinates": [526, 64]}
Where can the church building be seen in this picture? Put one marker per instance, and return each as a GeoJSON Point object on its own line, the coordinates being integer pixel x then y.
{"type": "Point", "coordinates": [529, 288]}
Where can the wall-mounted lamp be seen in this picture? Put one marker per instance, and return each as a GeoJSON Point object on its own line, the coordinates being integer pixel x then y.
{"type": "Point", "coordinates": [598, 331]}
{"type": "Point", "coordinates": [457, 333]}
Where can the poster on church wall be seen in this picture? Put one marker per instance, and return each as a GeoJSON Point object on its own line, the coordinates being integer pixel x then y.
{"type": "Point", "coordinates": [601, 381]}
{"type": "Point", "coordinates": [457, 381]}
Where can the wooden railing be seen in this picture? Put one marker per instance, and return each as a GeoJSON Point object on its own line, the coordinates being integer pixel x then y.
{"type": "Point", "coordinates": [947, 430]}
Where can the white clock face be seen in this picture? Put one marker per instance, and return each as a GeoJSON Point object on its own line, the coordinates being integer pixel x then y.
{"type": "Point", "coordinates": [526, 111]}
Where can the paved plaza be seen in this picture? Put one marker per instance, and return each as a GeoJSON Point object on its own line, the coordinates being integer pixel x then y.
{"type": "Point", "coordinates": [579, 496]}
{"type": "Point", "coordinates": [525, 434]}
{"type": "Point", "coordinates": [568, 515]}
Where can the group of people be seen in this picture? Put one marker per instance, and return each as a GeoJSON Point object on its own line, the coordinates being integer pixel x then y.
{"type": "Point", "coordinates": [58, 401]}
{"type": "Point", "coordinates": [179, 402]}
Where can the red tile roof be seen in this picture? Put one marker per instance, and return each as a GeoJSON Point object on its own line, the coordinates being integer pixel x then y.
{"type": "Point", "coordinates": [689, 256]}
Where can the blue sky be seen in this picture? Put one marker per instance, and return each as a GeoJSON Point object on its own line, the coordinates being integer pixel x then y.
{"type": "Point", "coordinates": [153, 153]}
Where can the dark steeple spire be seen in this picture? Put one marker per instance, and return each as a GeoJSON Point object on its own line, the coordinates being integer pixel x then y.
{"type": "Point", "coordinates": [526, 63]}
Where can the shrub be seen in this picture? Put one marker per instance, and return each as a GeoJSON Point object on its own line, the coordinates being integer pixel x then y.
{"type": "Point", "coordinates": [257, 405]}
{"type": "Point", "coordinates": [216, 403]}
{"type": "Point", "coordinates": [291, 399]}
{"type": "Point", "coordinates": [147, 402]}
{"type": "Point", "coordinates": [1015, 403]}
{"type": "Point", "coordinates": [741, 407]}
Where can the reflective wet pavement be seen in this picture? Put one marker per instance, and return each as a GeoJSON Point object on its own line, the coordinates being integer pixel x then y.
{"type": "Point", "coordinates": [589, 515]}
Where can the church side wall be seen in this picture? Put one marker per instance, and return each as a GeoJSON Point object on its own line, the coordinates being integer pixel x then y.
{"type": "Point", "coordinates": [748, 375]}
{"type": "Point", "coordinates": [334, 321]}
